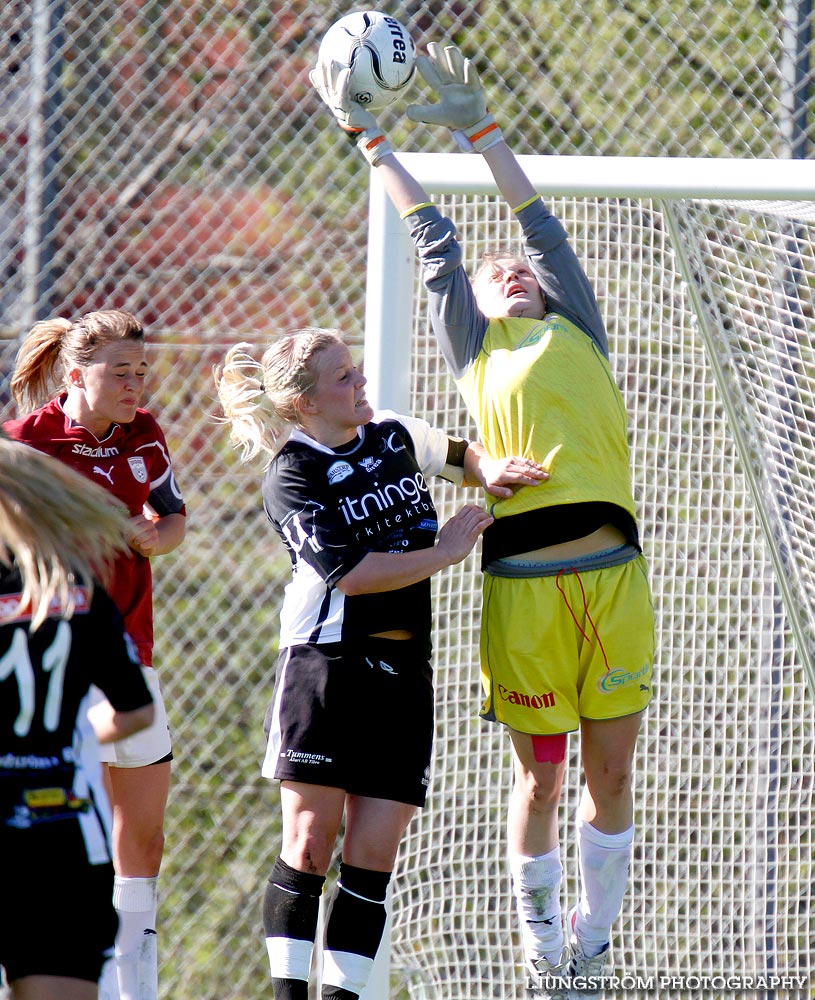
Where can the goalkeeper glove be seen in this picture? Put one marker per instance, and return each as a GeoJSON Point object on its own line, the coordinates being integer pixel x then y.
{"type": "Point", "coordinates": [462, 106]}
{"type": "Point", "coordinates": [332, 82]}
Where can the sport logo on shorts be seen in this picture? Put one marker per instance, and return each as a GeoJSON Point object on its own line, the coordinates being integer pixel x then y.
{"type": "Point", "coordinates": [301, 757]}
{"type": "Point", "coordinates": [615, 679]}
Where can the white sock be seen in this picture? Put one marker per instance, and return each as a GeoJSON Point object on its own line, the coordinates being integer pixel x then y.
{"type": "Point", "coordinates": [135, 900]}
{"type": "Point", "coordinates": [605, 859]}
{"type": "Point", "coordinates": [536, 887]}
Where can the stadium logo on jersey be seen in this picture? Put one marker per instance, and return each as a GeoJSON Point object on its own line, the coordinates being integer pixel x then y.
{"type": "Point", "coordinates": [138, 468]}
{"type": "Point", "coordinates": [86, 451]}
{"type": "Point", "coordinates": [369, 463]}
{"type": "Point", "coordinates": [339, 471]}
{"type": "Point", "coordinates": [536, 701]}
{"type": "Point", "coordinates": [615, 679]}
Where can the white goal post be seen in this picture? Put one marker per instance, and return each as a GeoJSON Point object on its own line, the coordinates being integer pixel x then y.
{"type": "Point", "coordinates": [705, 272]}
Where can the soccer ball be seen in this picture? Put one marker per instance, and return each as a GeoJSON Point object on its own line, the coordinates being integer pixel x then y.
{"type": "Point", "coordinates": [377, 82]}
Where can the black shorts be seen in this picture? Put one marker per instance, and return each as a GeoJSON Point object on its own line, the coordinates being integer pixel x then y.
{"type": "Point", "coordinates": [56, 915]}
{"type": "Point", "coordinates": [360, 720]}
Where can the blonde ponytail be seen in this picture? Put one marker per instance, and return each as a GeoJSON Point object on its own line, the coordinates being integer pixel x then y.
{"type": "Point", "coordinates": [259, 399]}
{"type": "Point", "coordinates": [253, 424]}
{"type": "Point", "coordinates": [54, 346]}
{"type": "Point", "coordinates": [37, 370]}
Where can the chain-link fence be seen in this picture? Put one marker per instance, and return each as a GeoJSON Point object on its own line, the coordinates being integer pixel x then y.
{"type": "Point", "coordinates": [170, 157]}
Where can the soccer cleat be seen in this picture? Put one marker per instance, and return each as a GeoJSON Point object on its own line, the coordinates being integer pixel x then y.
{"type": "Point", "coordinates": [585, 971]}
{"type": "Point", "coordinates": [546, 979]}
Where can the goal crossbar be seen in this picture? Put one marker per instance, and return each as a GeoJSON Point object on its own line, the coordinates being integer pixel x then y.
{"type": "Point", "coordinates": [623, 176]}
{"type": "Point", "coordinates": [389, 295]}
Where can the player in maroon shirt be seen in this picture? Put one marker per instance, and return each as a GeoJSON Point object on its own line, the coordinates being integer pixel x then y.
{"type": "Point", "coordinates": [95, 425]}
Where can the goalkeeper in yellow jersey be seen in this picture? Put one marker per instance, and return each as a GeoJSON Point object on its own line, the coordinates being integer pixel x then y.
{"type": "Point", "coordinates": [567, 637]}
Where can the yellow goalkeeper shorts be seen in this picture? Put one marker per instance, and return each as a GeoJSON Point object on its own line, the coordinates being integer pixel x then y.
{"type": "Point", "coordinates": [555, 649]}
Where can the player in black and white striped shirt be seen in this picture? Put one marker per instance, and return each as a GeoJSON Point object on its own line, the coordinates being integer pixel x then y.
{"type": "Point", "coordinates": [351, 720]}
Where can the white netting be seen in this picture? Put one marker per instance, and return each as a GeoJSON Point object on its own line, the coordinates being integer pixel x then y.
{"type": "Point", "coordinates": [795, 211]}
{"type": "Point", "coordinates": [723, 865]}
{"type": "Point", "coordinates": [170, 154]}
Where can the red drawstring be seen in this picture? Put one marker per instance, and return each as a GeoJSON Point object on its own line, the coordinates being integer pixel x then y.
{"type": "Point", "coordinates": [585, 611]}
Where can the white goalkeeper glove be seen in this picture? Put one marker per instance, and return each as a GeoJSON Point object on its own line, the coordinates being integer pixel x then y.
{"type": "Point", "coordinates": [462, 106]}
{"type": "Point", "coordinates": [332, 82]}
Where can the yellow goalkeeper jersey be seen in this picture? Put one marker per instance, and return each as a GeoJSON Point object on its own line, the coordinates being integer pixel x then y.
{"type": "Point", "coordinates": [543, 389]}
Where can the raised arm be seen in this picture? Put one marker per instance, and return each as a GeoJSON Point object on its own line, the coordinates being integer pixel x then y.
{"type": "Point", "coordinates": [331, 82]}
{"type": "Point", "coordinates": [462, 107]}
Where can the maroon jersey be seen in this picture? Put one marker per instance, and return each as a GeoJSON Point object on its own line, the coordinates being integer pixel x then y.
{"type": "Point", "coordinates": [132, 462]}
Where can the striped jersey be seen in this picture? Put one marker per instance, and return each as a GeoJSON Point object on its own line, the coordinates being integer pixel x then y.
{"type": "Point", "coordinates": [331, 507]}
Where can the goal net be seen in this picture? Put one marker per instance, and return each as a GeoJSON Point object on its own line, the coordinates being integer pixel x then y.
{"type": "Point", "coordinates": [705, 272]}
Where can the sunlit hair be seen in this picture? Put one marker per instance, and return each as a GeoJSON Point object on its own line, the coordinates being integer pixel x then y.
{"type": "Point", "coordinates": [490, 257]}
{"type": "Point", "coordinates": [258, 398]}
{"type": "Point", "coordinates": [55, 526]}
{"type": "Point", "coordinates": [55, 346]}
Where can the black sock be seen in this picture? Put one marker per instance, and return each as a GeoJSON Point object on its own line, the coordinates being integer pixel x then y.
{"type": "Point", "coordinates": [355, 925]}
{"type": "Point", "coordinates": [290, 909]}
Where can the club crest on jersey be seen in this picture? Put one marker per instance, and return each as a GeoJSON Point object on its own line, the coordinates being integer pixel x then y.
{"type": "Point", "coordinates": [339, 471]}
{"type": "Point", "coordinates": [369, 463]}
{"type": "Point", "coordinates": [138, 468]}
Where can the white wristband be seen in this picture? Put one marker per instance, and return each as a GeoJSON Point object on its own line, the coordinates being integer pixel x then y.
{"type": "Point", "coordinates": [373, 144]}
{"type": "Point", "coordinates": [480, 136]}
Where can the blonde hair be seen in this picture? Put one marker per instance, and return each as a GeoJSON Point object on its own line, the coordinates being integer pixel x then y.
{"type": "Point", "coordinates": [259, 398]}
{"type": "Point", "coordinates": [54, 346]}
{"type": "Point", "coordinates": [55, 525]}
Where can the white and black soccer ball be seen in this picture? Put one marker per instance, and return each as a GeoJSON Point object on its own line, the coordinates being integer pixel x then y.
{"type": "Point", "coordinates": [377, 82]}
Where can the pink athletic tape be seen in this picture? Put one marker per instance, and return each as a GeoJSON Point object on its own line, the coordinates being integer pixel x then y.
{"type": "Point", "coordinates": [549, 749]}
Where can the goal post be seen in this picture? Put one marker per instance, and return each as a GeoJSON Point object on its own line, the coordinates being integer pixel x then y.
{"type": "Point", "coordinates": [705, 273]}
